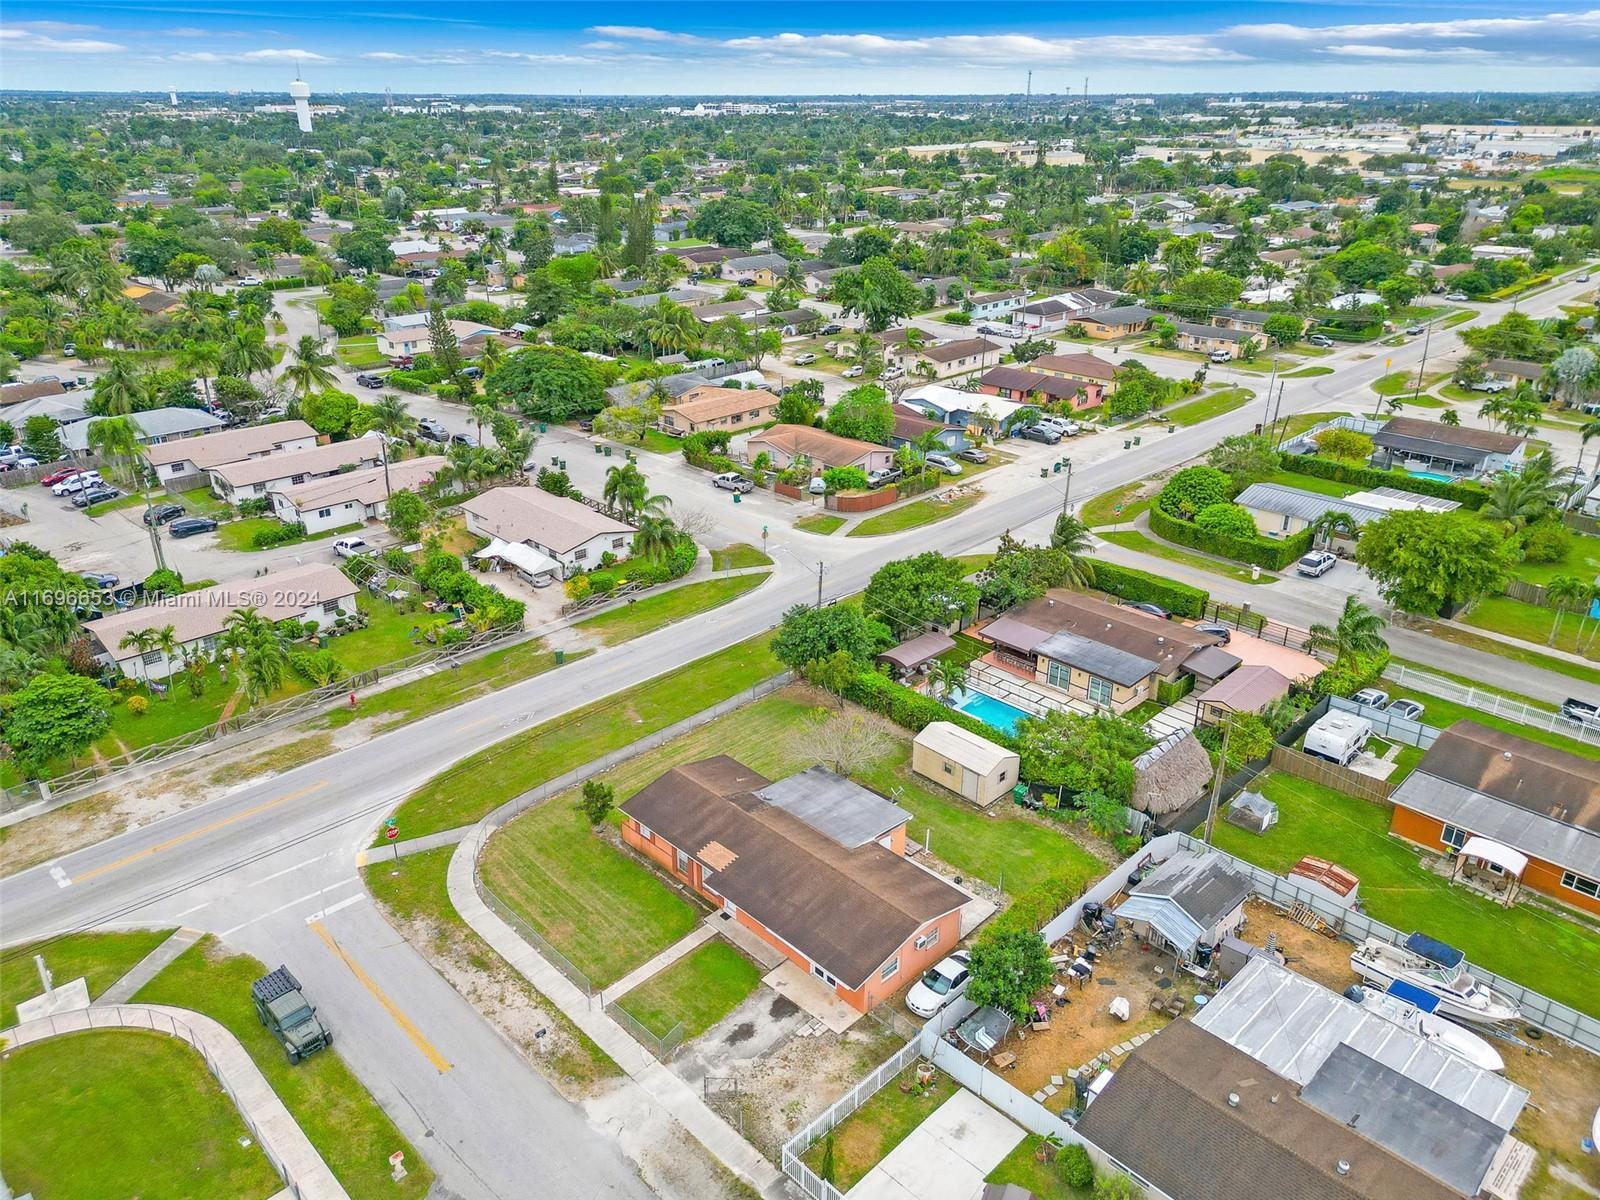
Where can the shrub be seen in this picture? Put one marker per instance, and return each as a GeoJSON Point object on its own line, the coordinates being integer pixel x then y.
{"type": "Point", "coordinates": [277, 535]}
{"type": "Point", "coordinates": [913, 710]}
{"type": "Point", "coordinates": [1546, 542]}
{"type": "Point", "coordinates": [1193, 489]}
{"type": "Point", "coordinates": [138, 705]}
{"type": "Point", "coordinates": [1370, 477]}
{"type": "Point", "coordinates": [1345, 444]}
{"type": "Point", "coordinates": [1349, 677]}
{"type": "Point", "coordinates": [163, 581]}
{"type": "Point", "coordinates": [1227, 520]}
{"type": "Point", "coordinates": [1171, 691]}
{"type": "Point", "coordinates": [1272, 553]}
{"type": "Point", "coordinates": [841, 479]}
{"type": "Point", "coordinates": [1129, 583]}
{"type": "Point", "coordinates": [1076, 1167]}
{"type": "Point", "coordinates": [597, 800]}
{"type": "Point", "coordinates": [255, 506]}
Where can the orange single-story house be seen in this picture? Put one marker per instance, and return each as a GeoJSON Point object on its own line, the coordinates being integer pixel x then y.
{"type": "Point", "coordinates": [814, 865]}
{"type": "Point", "coordinates": [1085, 368]}
{"type": "Point", "coordinates": [1014, 383]}
{"type": "Point", "coordinates": [1116, 322]}
{"type": "Point", "coordinates": [1490, 791]}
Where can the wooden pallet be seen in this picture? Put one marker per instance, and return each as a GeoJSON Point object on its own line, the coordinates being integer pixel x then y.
{"type": "Point", "coordinates": [1301, 914]}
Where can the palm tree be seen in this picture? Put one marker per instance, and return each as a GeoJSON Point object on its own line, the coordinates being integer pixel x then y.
{"type": "Point", "coordinates": [116, 439]}
{"type": "Point", "coordinates": [120, 390]}
{"type": "Point", "coordinates": [144, 641]}
{"type": "Point", "coordinates": [1517, 501]}
{"type": "Point", "coordinates": [310, 371]}
{"type": "Point", "coordinates": [242, 628]}
{"type": "Point", "coordinates": [670, 327]}
{"type": "Point", "coordinates": [165, 640]}
{"type": "Point", "coordinates": [202, 358]}
{"type": "Point", "coordinates": [655, 538]}
{"type": "Point", "coordinates": [1142, 278]}
{"type": "Point", "coordinates": [1332, 524]}
{"type": "Point", "coordinates": [266, 663]}
{"type": "Point", "coordinates": [492, 357]}
{"type": "Point", "coordinates": [246, 352]}
{"type": "Point", "coordinates": [390, 416]}
{"type": "Point", "coordinates": [1072, 536]}
{"type": "Point", "coordinates": [1565, 592]}
{"type": "Point", "coordinates": [945, 676]}
{"type": "Point", "coordinates": [1589, 429]}
{"type": "Point", "coordinates": [1356, 635]}
{"type": "Point", "coordinates": [625, 489]}
{"type": "Point", "coordinates": [483, 413]}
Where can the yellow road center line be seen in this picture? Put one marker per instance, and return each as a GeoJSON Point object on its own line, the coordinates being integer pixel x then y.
{"type": "Point", "coordinates": [196, 833]}
{"type": "Point", "coordinates": [407, 1026]}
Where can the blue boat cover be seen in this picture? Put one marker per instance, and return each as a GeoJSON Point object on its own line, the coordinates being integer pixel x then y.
{"type": "Point", "coordinates": [1412, 994]}
{"type": "Point", "coordinates": [1435, 950]}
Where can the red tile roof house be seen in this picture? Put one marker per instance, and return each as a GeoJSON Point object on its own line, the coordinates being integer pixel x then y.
{"type": "Point", "coordinates": [787, 442]}
{"type": "Point", "coordinates": [813, 865]}
{"type": "Point", "coordinates": [1014, 383]}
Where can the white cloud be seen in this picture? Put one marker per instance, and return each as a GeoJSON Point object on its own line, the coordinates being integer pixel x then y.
{"type": "Point", "coordinates": [388, 56]}
{"type": "Point", "coordinates": [24, 38]}
{"type": "Point", "coordinates": [274, 55]}
{"type": "Point", "coordinates": [644, 33]}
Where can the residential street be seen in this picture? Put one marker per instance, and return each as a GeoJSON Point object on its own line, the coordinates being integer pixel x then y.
{"type": "Point", "coordinates": [260, 864]}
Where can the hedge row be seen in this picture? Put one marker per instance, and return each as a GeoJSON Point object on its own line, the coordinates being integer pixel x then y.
{"type": "Point", "coordinates": [1270, 553]}
{"type": "Point", "coordinates": [289, 281]}
{"type": "Point", "coordinates": [1130, 584]}
{"type": "Point", "coordinates": [915, 711]}
{"type": "Point", "coordinates": [1371, 477]}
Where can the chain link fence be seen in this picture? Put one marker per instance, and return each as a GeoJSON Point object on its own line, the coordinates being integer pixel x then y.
{"type": "Point", "coordinates": [663, 1047]}
{"type": "Point", "coordinates": [529, 934]}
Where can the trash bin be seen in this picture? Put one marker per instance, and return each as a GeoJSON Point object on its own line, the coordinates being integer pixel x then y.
{"type": "Point", "coordinates": [1057, 468]}
{"type": "Point", "coordinates": [555, 460]}
{"type": "Point", "coordinates": [1127, 443]}
{"type": "Point", "coordinates": [599, 449]}
{"type": "Point", "coordinates": [543, 428]}
{"type": "Point", "coordinates": [561, 657]}
{"type": "Point", "coordinates": [1137, 440]}
{"type": "Point", "coordinates": [737, 498]}
{"type": "Point", "coordinates": [607, 450]}
{"type": "Point", "coordinates": [1044, 472]}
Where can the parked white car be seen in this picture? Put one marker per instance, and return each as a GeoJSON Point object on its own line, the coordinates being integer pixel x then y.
{"type": "Point", "coordinates": [76, 483]}
{"type": "Point", "coordinates": [939, 986]}
{"type": "Point", "coordinates": [349, 547]}
{"type": "Point", "coordinates": [1315, 564]}
{"type": "Point", "coordinates": [944, 462]}
{"type": "Point", "coordinates": [804, 359]}
{"type": "Point", "coordinates": [855, 372]}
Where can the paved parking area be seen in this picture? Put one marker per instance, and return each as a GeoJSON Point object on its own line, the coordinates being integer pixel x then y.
{"type": "Point", "coordinates": [946, 1157]}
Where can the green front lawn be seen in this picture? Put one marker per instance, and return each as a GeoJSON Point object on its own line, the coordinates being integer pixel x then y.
{"type": "Point", "coordinates": [736, 556]}
{"type": "Point", "coordinates": [1529, 622]}
{"type": "Point", "coordinates": [99, 958]}
{"type": "Point", "coordinates": [1515, 652]}
{"type": "Point", "coordinates": [1132, 539]}
{"type": "Point", "coordinates": [1312, 483]}
{"type": "Point", "coordinates": [1443, 713]}
{"type": "Point", "coordinates": [1307, 373]}
{"type": "Point", "coordinates": [698, 990]}
{"type": "Point", "coordinates": [338, 1114]}
{"type": "Point", "coordinates": [1300, 422]}
{"type": "Point", "coordinates": [125, 1112]}
{"type": "Point", "coordinates": [237, 535]}
{"type": "Point", "coordinates": [863, 1139]}
{"type": "Point", "coordinates": [1103, 509]}
{"type": "Point", "coordinates": [822, 523]}
{"type": "Point", "coordinates": [595, 903]}
{"type": "Point", "coordinates": [1043, 1179]}
{"type": "Point", "coordinates": [483, 781]}
{"type": "Point", "coordinates": [1583, 560]}
{"type": "Point", "coordinates": [1529, 944]}
{"type": "Point", "coordinates": [1224, 400]}
{"type": "Point", "coordinates": [661, 443]}
{"type": "Point", "coordinates": [649, 614]}
{"type": "Point", "coordinates": [914, 515]}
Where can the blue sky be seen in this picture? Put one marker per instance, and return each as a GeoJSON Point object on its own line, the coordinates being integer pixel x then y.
{"type": "Point", "coordinates": [430, 46]}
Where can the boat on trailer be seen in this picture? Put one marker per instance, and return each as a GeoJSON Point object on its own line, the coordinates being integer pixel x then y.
{"type": "Point", "coordinates": [1438, 969]}
{"type": "Point", "coordinates": [1416, 1011]}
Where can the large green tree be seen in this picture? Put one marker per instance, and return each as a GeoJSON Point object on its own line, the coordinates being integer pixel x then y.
{"type": "Point", "coordinates": [911, 594]}
{"type": "Point", "coordinates": [55, 717]}
{"type": "Point", "coordinates": [811, 634]}
{"type": "Point", "coordinates": [1009, 967]}
{"type": "Point", "coordinates": [863, 413]}
{"type": "Point", "coordinates": [549, 383]}
{"type": "Point", "coordinates": [1427, 562]}
{"type": "Point", "coordinates": [879, 291]}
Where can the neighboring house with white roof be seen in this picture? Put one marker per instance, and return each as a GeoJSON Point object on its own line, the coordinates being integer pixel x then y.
{"type": "Point", "coordinates": [196, 455]}
{"type": "Point", "coordinates": [407, 336]}
{"type": "Point", "coordinates": [354, 497]}
{"type": "Point", "coordinates": [571, 533]}
{"type": "Point", "coordinates": [154, 425]}
{"type": "Point", "coordinates": [256, 477]}
{"type": "Point", "coordinates": [314, 592]}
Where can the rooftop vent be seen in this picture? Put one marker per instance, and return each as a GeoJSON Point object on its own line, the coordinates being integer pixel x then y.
{"type": "Point", "coordinates": [1342, 1167]}
{"type": "Point", "coordinates": [1233, 1099]}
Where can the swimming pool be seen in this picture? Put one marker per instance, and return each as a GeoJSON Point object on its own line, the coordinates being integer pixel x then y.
{"type": "Point", "coordinates": [991, 711]}
{"type": "Point", "coordinates": [1433, 475]}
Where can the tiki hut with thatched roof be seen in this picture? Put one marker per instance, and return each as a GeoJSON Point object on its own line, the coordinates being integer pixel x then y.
{"type": "Point", "coordinates": [1171, 775]}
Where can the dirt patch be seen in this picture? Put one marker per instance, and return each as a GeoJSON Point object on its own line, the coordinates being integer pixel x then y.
{"type": "Point", "coordinates": [1314, 955]}
{"type": "Point", "coordinates": [671, 1162]}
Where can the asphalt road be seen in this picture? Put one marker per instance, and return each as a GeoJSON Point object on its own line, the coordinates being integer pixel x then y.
{"type": "Point", "coordinates": [270, 866]}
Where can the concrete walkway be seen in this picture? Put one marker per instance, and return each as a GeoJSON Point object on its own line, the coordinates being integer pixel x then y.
{"type": "Point", "coordinates": [285, 1144]}
{"type": "Point", "coordinates": [702, 934]}
{"type": "Point", "coordinates": [656, 1082]}
{"type": "Point", "coordinates": [148, 967]}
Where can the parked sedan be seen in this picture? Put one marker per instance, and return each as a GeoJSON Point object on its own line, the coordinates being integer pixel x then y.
{"type": "Point", "coordinates": [1148, 608]}
{"type": "Point", "coordinates": [973, 455]}
{"type": "Point", "coordinates": [1319, 339]}
{"type": "Point", "coordinates": [944, 462]}
{"type": "Point", "coordinates": [56, 477]}
{"type": "Point", "coordinates": [1375, 698]}
{"type": "Point", "coordinates": [1040, 433]}
{"type": "Point", "coordinates": [1409, 710]}
{"type": "Point", "coordinates": [855, 372]}
{"type": "Point", "coordinates": [73, 484]}
{"type": "Point", "coordinates": [1220, 632]}
{"type": "Point", "coordinates": [940, 986]}
{"type": "Point", "coordinates": [801, 360]}
{"type": "Point", "coordinates": [1316, 564]}
{"type": "Point", "coordinates": [732, 481]}
{"type": "Point", "coordinates": [162, 513]}
{"type": "Point", "coordinates": [369, 379]}
{"type": "Point", "coordinates": [94, 495]}
{"type": "Point", "coordinates": [189, 526]}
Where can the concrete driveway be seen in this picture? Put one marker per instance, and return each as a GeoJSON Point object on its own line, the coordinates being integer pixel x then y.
{"type": "Point", "coordinates": [946, 1157]}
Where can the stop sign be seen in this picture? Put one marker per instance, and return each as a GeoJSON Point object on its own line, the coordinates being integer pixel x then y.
{"type": "Point", "coordinates": [391, 832]}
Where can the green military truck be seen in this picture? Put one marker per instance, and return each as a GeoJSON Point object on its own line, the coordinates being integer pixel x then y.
{"type": "Point", "coordinates": [284, 1009]}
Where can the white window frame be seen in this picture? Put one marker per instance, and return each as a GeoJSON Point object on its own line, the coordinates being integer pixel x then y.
{"type": "Point", "coordinates": [890, 969]}
{"type": "Point", "coordinates": [682, 862]}
{"type": "Point", "coordinates": [1058, 675]}
{"type": "Point", "coordinates": [929, 939]}
{"type": "Point", "coordinates": [644, 831]}
{"type": "Point", "coordinates": [1454, 836]}
{"type": "Point", "coordinates": [1103, 686]}
{"type": "Point", "coordinates": [1581, 884]}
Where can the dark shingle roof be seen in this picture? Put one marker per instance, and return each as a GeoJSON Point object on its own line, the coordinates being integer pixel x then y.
{"type": "Point", "coordinates": [1401, 432]}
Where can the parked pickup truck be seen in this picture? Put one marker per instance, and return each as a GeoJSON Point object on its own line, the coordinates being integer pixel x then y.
{"type": "Point", "coordinates": [284, 1009]}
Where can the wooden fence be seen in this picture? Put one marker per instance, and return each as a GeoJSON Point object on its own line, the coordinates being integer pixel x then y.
{"type": "Point", "coordinates": [1341, 779]}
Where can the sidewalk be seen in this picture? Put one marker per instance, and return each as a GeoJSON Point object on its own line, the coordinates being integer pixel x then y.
{"type": "Point", "coordinates": [656, 1082]}
{"type": "Point", "coordinates": [702, 934]}
{"type": "Point", "coordinates": [282, 1139]}
{"type": "Point", "coordinates": [148, 967]}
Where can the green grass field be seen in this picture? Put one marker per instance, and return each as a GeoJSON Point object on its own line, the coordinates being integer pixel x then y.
{"type": "Point", "coordinates": [1443, 713]}
{"type": "Point", "coordinates": [1583, 560]}
{"type": "Point", "coordinates": [1133, 539]}
{"type": "Point", "coordinates": [698, 990]}
{"type": "Point", "coordinates": [651, 613]}
{"type": "Point", "coordinates": [99, 958]}
{"type": "Point", "coordinates": [913, 515]}
{"type": "Point", "coordinates": [346, 1125]}
{"type": "Point", "coordinates": [598, 906]}
{"type": "Point", "coordinates": [1043, 1179]}
{"type": "Point", "coordinates": [821, 524]}
{"type": "Point", "coordinates": [237, 535]}
{"type": "Point", "coordinates": [483, 781]}
{"type": "Point", "coordinates": [1225, 400]}
{"type": "Point", "coordinates": [125, 1112]}
{"type": "Point", "coordinates": [1102, 510]}
{"type": "Point", "coordinates": [416, 891]}
{"type": "Point", "coordinates": [1531, 945]}
{"type": "Point", "coordinates": [737, 556]}
{"type": "Point", "coordinates": [1530, 623]}
{"type": "Point", "coordinates": [1307, 373]}
{"type": "Point", "coordinates": [1312, 483]}
{"type": "Point", "coordinates": [1300, 422]}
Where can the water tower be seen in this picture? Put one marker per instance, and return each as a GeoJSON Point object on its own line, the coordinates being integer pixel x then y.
{"type": "Point", "coordinates": [300, 93]}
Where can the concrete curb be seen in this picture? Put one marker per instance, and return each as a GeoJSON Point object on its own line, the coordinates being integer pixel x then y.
{"type": "Point", "coordinates": [279, 1135]}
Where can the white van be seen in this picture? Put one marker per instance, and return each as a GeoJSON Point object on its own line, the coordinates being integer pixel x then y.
{"type": "Point", "coordinates": [1338, 737]}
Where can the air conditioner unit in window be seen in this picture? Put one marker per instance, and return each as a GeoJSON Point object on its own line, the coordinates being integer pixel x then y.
{"type": "Point", "coordinates": [924, 941]}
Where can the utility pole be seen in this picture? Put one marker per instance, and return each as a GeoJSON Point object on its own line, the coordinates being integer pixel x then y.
{"type": "Point", "coordinates": [821, 567]}
{"type": "Point", "coordinates": [1216, 786]}
{"type": "Point", "coordinates": [1427, 334]}
{"type": "Point", "coordinates": [1066, 496]}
